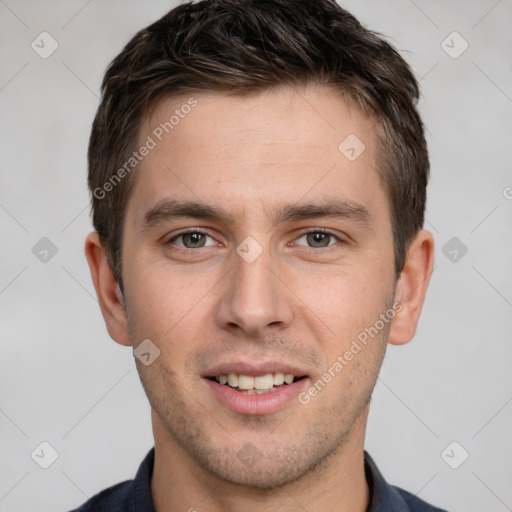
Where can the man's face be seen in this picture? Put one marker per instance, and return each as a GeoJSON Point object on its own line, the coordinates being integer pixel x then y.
{"type": "Point", "coordinates": [290, 299]}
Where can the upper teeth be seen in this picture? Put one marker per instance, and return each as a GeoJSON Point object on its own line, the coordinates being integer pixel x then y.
{"type": "Point", "coordinates": [267, 381]}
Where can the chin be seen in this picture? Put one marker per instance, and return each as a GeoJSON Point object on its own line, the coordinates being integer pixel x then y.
{"type": "Point", "coordinates": [270, 471]}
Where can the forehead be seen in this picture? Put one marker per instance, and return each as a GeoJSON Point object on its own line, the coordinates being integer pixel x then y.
{"type": "Point", "coordinates": [280, 143]}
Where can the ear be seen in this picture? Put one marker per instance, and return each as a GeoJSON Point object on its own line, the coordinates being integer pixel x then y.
{"type": "Point", "coordinates": [412, 287]}
{"type": "Point", "coordinates": [107, 289]}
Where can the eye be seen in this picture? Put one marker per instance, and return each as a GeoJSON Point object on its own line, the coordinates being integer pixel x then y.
{"type": "Point", "coordinates": [318, 239]}
{"type": "Point", "coordinates": [192, 240]}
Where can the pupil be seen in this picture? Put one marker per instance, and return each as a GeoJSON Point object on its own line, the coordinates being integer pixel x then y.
{"type": "Point", "coordinates": [194, 239]}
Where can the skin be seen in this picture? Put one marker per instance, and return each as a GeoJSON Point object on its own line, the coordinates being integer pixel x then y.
{"type": "Point", "coordinates": [295, 303]}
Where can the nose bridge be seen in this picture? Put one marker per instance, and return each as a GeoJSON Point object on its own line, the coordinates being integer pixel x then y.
{"type": "Point", "coordinates": [254, 298]}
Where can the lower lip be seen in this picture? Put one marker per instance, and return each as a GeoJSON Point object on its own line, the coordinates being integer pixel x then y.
{"type": "Point", "coordinates": [266, 403]}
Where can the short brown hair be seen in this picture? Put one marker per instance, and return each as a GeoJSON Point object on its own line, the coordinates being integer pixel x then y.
{"type": "Point", "coordinates": [246, 46]}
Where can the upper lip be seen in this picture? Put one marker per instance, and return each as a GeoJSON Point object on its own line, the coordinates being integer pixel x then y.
{"type": "Point", "coordinates": [254, 369]}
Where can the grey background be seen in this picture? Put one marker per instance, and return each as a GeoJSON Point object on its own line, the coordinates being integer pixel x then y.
{"type": "Point", "coordinates": [63, 381]}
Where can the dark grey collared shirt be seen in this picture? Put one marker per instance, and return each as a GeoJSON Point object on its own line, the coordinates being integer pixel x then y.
{"type": "Point", "coordinates": [135, 495]}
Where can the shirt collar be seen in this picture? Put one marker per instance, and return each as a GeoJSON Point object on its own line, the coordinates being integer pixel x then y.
{"type": "Point", "coordinates": [140, 499]}
{"type": "Point", "coordinates": [383, 497]}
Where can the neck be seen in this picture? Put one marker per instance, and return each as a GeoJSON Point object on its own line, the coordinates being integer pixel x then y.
{"type": "Point", "coordinates": [337, 484]}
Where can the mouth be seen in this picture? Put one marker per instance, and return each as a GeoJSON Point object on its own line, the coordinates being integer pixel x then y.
{"type": "Point", "coordinates": [256, 385]}
{"type": "Point", "coordinates": [255, 389]}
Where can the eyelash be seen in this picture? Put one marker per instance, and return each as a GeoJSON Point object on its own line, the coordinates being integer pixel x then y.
{"type": "Point", "coordinates": [202, 232]}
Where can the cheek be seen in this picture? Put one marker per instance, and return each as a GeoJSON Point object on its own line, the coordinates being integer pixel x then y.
{"type": "Point", "coordinates": [169, 305]}
{"type": "Point", "coordinates": [151, 307]}
{"type": "Point", "coordinates": [346, 302]}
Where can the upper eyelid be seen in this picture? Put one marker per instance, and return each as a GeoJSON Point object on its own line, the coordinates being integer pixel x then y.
{"type": "Point", "coordinates": [191, 230]}
{"type": "Point", "coordinates": [325, 231]}
{"type": "Point", "coordinates": [187, 232]}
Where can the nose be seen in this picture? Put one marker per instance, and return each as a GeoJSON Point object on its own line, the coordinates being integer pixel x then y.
{"type": "Point", "coordinates": [254, 299]}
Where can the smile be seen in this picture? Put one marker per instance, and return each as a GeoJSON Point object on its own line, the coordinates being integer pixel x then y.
{"type": "Point", "coordinates": [256, 385]}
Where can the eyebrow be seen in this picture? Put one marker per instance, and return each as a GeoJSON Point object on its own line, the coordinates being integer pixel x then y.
{"type": "Point", "coordinates": [338, 208]}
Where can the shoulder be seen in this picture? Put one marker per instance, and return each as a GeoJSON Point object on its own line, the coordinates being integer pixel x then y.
{"type": "Point", "coordinates": [414, 503]}
{"type": "Point", "coordinates": [387, 498]}
{"type": "Point", "coordinates": [112, 499]}
{"type": "Point", "coordinates": [128, 496]}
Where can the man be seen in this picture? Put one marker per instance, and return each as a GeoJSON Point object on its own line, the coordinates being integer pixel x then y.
{"type": "Point", "coordinates": [258, 173]}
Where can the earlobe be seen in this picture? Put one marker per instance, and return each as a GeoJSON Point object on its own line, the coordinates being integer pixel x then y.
{"type": "Point", "coordinates": [412, 287]}
{"type": "Point", "coordinates": [109, 295]}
